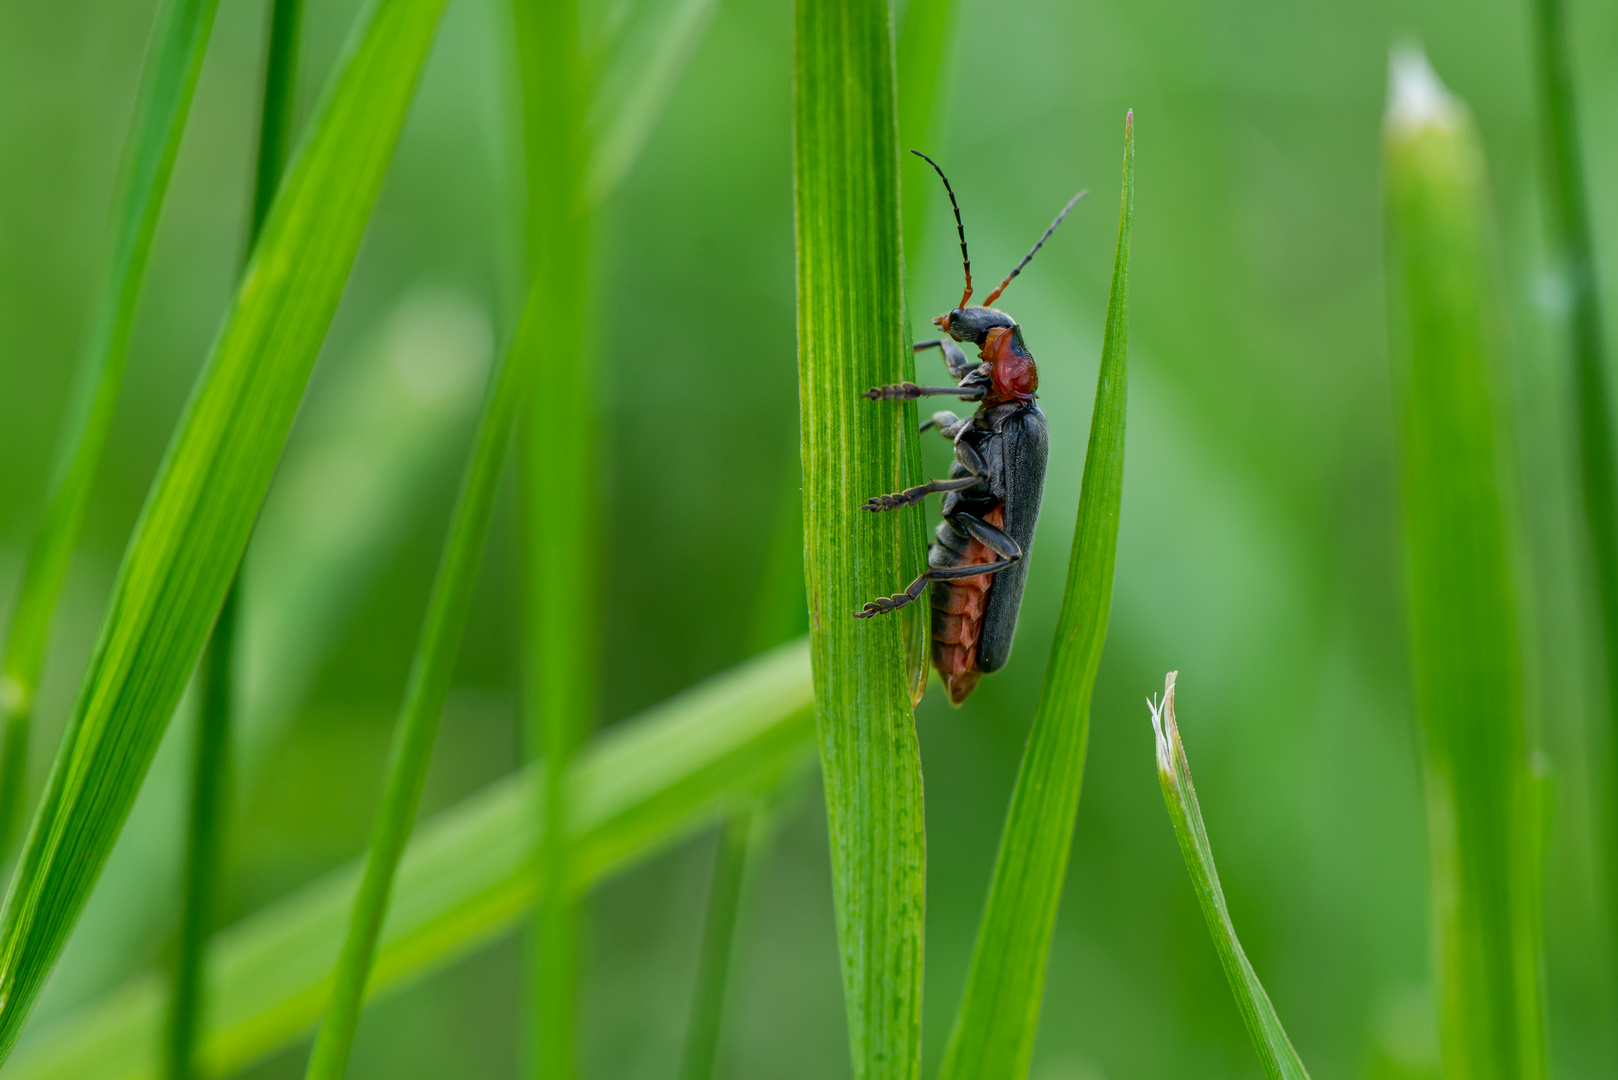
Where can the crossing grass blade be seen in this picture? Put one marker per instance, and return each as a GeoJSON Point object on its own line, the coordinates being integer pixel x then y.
{"type": "Point", "coordinates": [1462, 592]}
{"type": "Point", "coordinates": [993, 1035]}
{"type": "Point", "coordinates": [198, 515]}
{"type": "Point", "coordinates": [468, 875]}
{"type": "Point", "coordinates": [1270, 1040]}
{"type": "Point", "coordinates": [178, 45]}
{"type": "Point", "coordinates": [851, 336]}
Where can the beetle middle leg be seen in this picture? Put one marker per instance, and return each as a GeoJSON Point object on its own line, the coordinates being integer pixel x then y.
{"type": "Point", "coordinates": [994, 539]}
{"type": "Point", "coordinates": [965, 454]}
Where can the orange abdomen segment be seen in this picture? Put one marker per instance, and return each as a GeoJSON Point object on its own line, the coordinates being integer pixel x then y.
{"type": "Point", "coordinates": [958, 617]}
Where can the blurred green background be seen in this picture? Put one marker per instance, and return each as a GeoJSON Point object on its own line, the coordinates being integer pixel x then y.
{"type": "Point", "coordinates": [1258, 550]}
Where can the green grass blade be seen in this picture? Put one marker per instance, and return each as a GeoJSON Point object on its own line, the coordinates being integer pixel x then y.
{"type": "Point", "coordinates": [1270, 1040]}
{"type": "Point", "coordinates": [560, 507]}
{"type": "Point", "coordinates": [851, 336]}
{"type": "Point", "coordinates": [419, 717]}
{"type": "Point", "coordinates": [201, 508]}
{"type": "Point", "coordinates": [177, 48]}
{"type": "Point", "coordinates": [1573, 248]}
{"type": "Point", "coordinates": [740, 837]}
{"type": "Point", "coordinates": [199, 888]}
{"type": "Point", "coordinates": [994, 1029]}
{"type": "Point", "coordinates": [926, 45]}
{"type": "Point", "coordinates": [637, 83]}
{"type": "Point", "coordinates": [1465, 640]}
{"type": "Point", "coordinates": [468, 874]}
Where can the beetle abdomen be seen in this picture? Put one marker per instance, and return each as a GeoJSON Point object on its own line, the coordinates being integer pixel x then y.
{"type": "Point", "coordinates": [958, 608]}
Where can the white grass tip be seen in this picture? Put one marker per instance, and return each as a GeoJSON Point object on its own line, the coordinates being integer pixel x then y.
{"type": "Point", "coordinates": [1163, 721]}
{"type": "Point", "coordinates": [1416, 96]}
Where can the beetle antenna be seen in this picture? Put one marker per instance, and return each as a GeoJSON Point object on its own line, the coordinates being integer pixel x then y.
{"type": "Point", "coordinates": [992, 297]}
{"type": "Point", "coordinates": [966, 262]}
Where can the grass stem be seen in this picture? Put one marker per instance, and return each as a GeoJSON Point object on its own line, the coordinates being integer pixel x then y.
{"type": "Point", "coordinates": [1573, 248]}
{"type": "Point", "coordinates": [201, 885]}
{"type": "Point", "coordinates": [560, 503]}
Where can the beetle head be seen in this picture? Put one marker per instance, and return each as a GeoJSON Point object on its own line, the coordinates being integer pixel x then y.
{"type": "Point", "coordinates": [973, 323]}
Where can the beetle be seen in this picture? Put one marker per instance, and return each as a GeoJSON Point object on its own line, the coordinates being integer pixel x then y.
{"type": "Point", "coordinates": [991, 499]}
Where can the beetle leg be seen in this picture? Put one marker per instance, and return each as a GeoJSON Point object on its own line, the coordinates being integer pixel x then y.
{"type": "Point", "coordinates": [965, 454]}
{"type": "Point", "coordinates": [994, 539]}
{"type": "Point", "coordinates": [911, 496]}
{"type": "Point", "coordinates": [959, 365]}
{"type": "Point", "coordinates": [948, 424]}
{"type": "Point", "coordinates": [909, 391]}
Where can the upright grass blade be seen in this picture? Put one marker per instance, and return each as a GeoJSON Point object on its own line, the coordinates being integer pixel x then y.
{"type": "Point", "coordinates": [200, 511]}
{"type": "Point", "coordinates": [1573, 248]}
{"type": "Point", "coordinates": [1466, 648]}
{"type": "Point", "coordinates": [468, 874]}
{"type": "Point", "coordinates": [175, 58]}
{"type": "Point", "coordinates": [742, 835]}
{"type": "Point", "coordinates": [560, 505]}
{"type": "Point", "coordinates": [994, 1030]}
{"type": "Point", "coordinates": [211, 761]}
{"type": "Point", "coordinates": [851, 336]}
{"type": "Point", "coordinates": [1270, 1040]}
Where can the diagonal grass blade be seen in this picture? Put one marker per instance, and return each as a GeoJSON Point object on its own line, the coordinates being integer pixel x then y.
{"type": "Point", "coordinates": [417, 730]}
{"type": "Point", "coordinates": [178, 45]}
{"type": "Point", "coordinates": [1270, 1040]}
{"type": "Point", "coordinates": [994, 1029]}
{"type": "Point", "coordinates": [197, 518]}
{"type": "Point", "coordinates": [468, 874]}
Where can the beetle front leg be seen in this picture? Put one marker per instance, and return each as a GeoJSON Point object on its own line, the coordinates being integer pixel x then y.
{"type": "Point", "coordinates": [964, 454]}
{"type": "Point", "coordinates": [954, 358]}
{"type": "Point", "coordinates": [909, 391]}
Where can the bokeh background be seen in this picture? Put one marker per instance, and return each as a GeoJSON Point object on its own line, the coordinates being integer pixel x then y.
{"type": "Point", "coordinates": [1258, 551]}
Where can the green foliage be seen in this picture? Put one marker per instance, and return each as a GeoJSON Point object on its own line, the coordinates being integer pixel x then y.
{"type": "Point", "coordinates": [177, 49]}
{"type": "Point", "coordinates": [1270, 1040]}
{"type": "Point", "coordinates": [201, 508]}
{"type": "Point", "coordinates": [994, 1030]}
{"type": "Point", "coordinates": [851, 336]}
{"type": "Point", "coordinates": [740, 837]}
{"type": "Point", "coordinates": [560, 501]}
{"type": "Point", "coordinates": [469, 874]}
{"type": "Point", "coordinates": [1465, 640]}
{"type": "Point", "coordinates": [201, 887]}
{"type": "Point", "coordinates": [423, 707]}
{"type": "Point", "coordinates": [1573, 252]}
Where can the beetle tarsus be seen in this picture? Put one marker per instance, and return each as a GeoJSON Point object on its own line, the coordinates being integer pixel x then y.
{"type": "Point", "coordinates": [884, 604]}
{"type": "Point", "coordinates": [910, 496]}
{"type": "Point", "coordinates": [909, 391]}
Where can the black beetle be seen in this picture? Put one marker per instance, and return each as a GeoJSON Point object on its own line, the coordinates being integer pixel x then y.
{"type": "Point", "coordinates": [991, 499]}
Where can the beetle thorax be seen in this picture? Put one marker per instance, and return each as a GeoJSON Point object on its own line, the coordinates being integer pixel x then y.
{"type": "Point", "coordinates": [1013, 371]}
